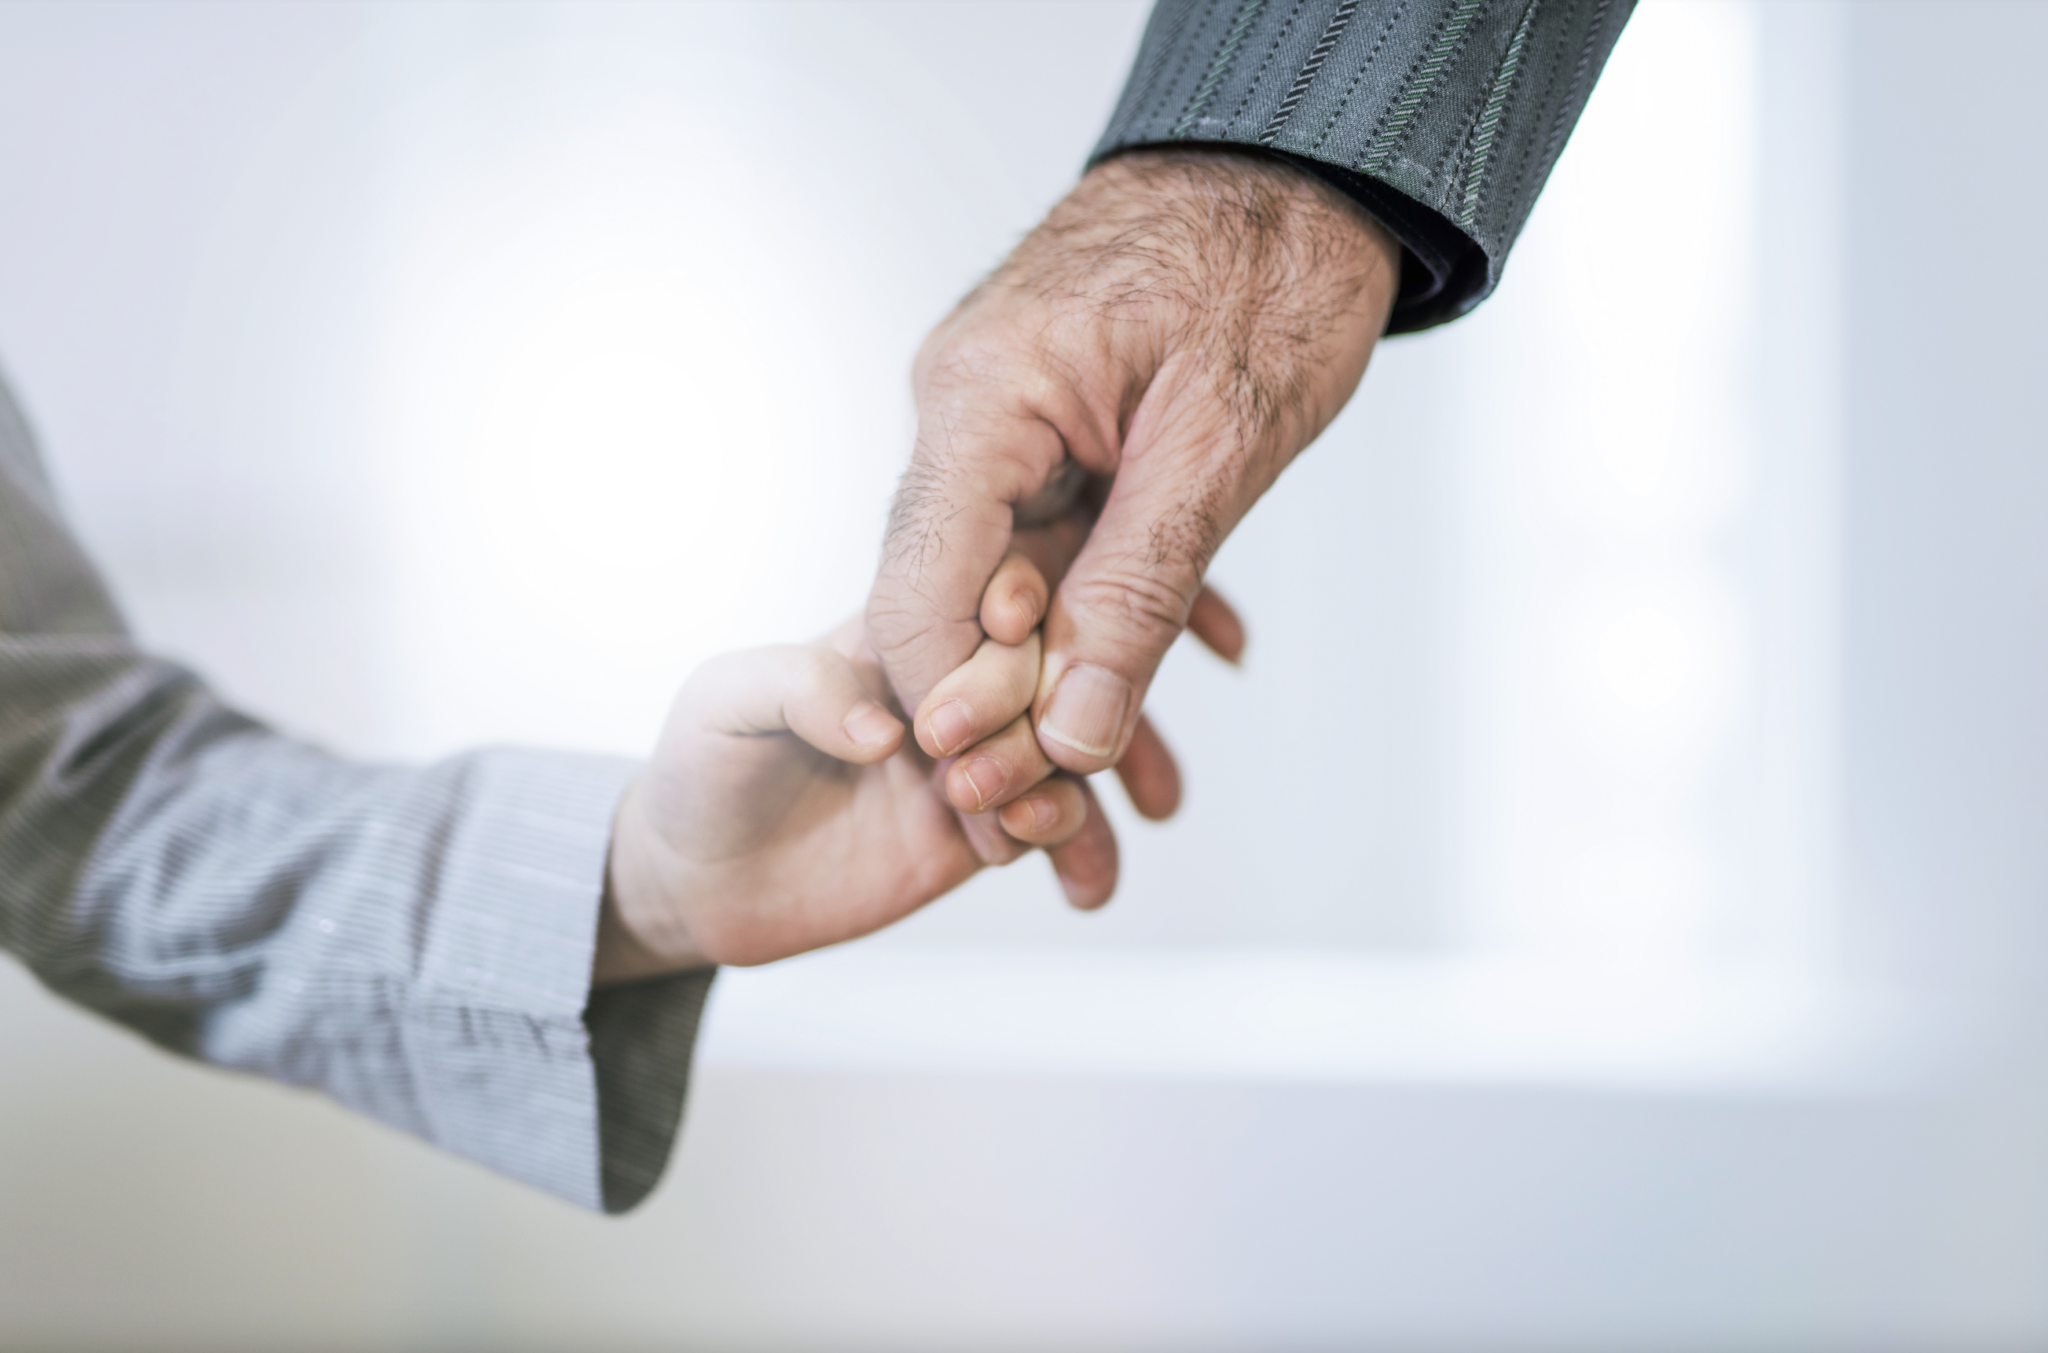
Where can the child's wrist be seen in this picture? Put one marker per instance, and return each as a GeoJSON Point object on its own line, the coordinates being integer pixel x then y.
{"type": "Point", "coordinates": [640, 932]}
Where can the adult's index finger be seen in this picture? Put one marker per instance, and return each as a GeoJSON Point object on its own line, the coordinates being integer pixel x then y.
{"type": "Point", "coordinates": [949, 529]}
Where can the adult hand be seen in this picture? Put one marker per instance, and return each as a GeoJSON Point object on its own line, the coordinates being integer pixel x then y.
{"type": "Point", "coordinates": [983, 771]}
{"type": "Point", "coordinates": [1162, 345]}
{"type": "Point", "coordinates": [781, 811]}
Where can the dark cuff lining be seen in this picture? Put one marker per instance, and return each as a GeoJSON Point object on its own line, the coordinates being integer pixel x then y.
{"type": "Point", "coordinates": [641, 1037]}
{"type": "Point", "coordinates": [1444, 271]}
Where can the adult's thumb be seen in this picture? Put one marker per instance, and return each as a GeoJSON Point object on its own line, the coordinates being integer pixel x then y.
{"type": "Point", "coordinates": [1118, 610]}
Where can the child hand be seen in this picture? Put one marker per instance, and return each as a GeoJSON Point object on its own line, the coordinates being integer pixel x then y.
{"type": "Point", "coordinates": [782, 811]}
{"type": "Point", "coordinates": [980, 714]}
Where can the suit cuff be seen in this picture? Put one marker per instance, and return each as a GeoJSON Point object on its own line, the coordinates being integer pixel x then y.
{"type": "Point", "coordinates": [1442, 118]}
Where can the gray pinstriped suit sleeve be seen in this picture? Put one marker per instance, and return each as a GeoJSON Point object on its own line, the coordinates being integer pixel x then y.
{"type": "Point", "coordinates": [1441, 117]}
{"type": "Point", "coordinates": [415, 943]}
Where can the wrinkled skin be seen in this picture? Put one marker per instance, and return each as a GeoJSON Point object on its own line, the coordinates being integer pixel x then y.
{"type": "Point", "coordinates": [1140, 370]}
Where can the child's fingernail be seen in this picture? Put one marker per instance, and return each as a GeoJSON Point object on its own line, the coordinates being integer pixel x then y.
{"type": "Point", "coordinates": [951, 726]}
{"type": "Point", "coordinates": [986, 777]}
{"type": "Point", "coordinates": [1031, 815]}
{"type": "Point", "coordinates": [869, 724]}
{"type": "Point", "coordinates": [1087, 710]}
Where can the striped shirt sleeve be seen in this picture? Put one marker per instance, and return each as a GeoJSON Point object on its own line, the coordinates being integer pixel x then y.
{"type": "Point", "coordinates": [415, 942]}
{"type": "Point", "coordinates": [1442, 118]}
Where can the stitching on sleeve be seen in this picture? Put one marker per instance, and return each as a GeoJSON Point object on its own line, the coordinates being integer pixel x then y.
{"type": "Point", "coordinates": [1543, 100]}
{"type": "Point", "coordinates": [1146, 76]}
{"type": "Point", "coordinates": [1344, 102]}
{"type": "Point", "coordinates": [1167, 86]}
{"type": "Point", "coordinates": [1561, 124]}
{"type": "Point", "coordinates": [1259, 75]}
{"type": "Point", "coordinates": [1490, 115]}
{"type": "Point", "coordinates": [1566, 116]}
{"type": "Point", "coordinates": [1452, 166]}
{"type": "Point", "coordinates": [1226, 53]}
{"type": "Point", "coordinates": [1312, 67]}
{"type": "Point", "coordinates": [1421, 82]}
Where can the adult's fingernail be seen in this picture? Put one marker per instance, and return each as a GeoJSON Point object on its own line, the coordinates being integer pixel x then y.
{"type": "Point", "coordinates": [1087, 710]}
{"type": "Point", "coordinates": [986, 777]}
{"type": "Point", "coordinates": [869, 724]}
{"type": "Point", "coordinates": [951, 727]}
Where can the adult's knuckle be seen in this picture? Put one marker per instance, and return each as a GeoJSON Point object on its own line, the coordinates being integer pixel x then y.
{"type": "Point", "coordinates": [1149, 602]}
{"type": "Point", "coordinates": [906, 637]}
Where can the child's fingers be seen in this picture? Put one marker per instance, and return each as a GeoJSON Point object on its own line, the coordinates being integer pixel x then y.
{"type": "Point", "coordinates": [1014, 601]}
{"type": "Point", "coordinates": [1087, 862]}
{"type": "Point", "coordinates": [811, 691]}
{"type": "Point", "coordinates": [1215, 622]}
{"type": "Point", "coordinates": [1049, 815]}
{"type": "Point", "coordinates": [1149, 774]}
{"type": "Point", "coordinates": [997, 769]}
{"type": "Point", "coordinates": [990, 843]}
{"type": "Point", "coordinates": [979, 697]}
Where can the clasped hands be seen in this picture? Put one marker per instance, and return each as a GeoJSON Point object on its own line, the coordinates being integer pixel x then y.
{"type": "Point", "coordinates": [1093, 420]}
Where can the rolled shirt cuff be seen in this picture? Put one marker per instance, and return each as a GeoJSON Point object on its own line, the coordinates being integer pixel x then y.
{"type": "Point", "coordinates": [517, 1063]}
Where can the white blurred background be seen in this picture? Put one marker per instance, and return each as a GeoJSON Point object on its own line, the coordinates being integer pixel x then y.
{"type": "Point", "coordinates": [1610, 903]}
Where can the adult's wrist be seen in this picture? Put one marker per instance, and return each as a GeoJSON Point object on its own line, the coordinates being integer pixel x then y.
{"type": "Point", "coordinates": [1322, 183]}
{"type": "Point", "coordinates": [1292, 205]}
{"type": "Point", "coordinates": [1441, 117]}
